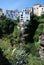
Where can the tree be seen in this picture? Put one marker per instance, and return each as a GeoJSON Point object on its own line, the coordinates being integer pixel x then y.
{"type": "Point", "coordinates": [2, 17]}
{"type": "Point", "coordinates": [38, 32]}
{"type": "Point", "coordinates": [31, 28]}
{"type": "Point", "coordinates": [3, 60]}
{"type": "Point", "coordinates": [6, 26]}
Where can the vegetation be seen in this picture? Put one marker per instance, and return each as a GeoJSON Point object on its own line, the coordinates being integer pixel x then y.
{"type": "Point", "coordinates": [15, 50]}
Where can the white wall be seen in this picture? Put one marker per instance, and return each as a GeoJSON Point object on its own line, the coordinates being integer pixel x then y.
{"type": "Point", "coordinates": [41, 11]}
{"type": "Point", "coordinates": [37, 10]}
{"type": "Point", "coordinates": [25, 15]}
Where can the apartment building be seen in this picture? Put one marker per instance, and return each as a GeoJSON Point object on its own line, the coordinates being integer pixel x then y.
{"type": "Point", "coordinates": [38, 9]}
{"type": "Point", "coordinates": [25, 15]}
{"type": "Point", "coordinates": [1, 11]}
{"type": "Point", "coordinates": [12, 14]}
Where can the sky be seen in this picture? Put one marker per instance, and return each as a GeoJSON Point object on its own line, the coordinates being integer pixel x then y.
{"type": "Point", "coordinates": [18, 4]}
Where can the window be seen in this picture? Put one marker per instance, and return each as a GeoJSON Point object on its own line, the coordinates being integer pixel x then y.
{"type": "Point", "coordinates": [9, 15]}
{"type": "Point", "coordinates": [11, 11]}
{"type": "Point", "coordinates": [37, 8]}
{"type": "Point", "coordinates": [12, 16]}
{"type": "Point", "coordinates": [7, 12]}
{"type": "Point", "coordinates": [21, 15]}
{"type": "Point", "coordinates": [42, 8]}
{"type": "Point", "coordinates": [21, 19]}
{"type": "Point", "coordinates": [25, 9]}
{"type": "Point", "coordinates": [27, 12]}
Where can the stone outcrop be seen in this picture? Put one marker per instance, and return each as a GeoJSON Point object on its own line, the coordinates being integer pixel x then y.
{"type": "Point", "coordinates": [41, 41]}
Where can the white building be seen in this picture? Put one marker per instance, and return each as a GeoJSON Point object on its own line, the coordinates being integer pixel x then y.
{"type": "Point", "coordinates": [38, 9]}
{"type": "Point", "coordinates": [25, 15]}
{"type": "Point", "coordinates": [12, 14]}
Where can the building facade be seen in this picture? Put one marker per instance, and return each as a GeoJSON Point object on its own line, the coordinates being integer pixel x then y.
{"type": "Point", "coordinates": [12, 14]}
{"type": "Point", "coordinates": [38, 9]}
{"type": "Point", "coordinates": [25, 15]}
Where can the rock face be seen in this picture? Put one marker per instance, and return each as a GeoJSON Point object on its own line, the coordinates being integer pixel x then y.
{"type": "Point", "coordinates": [41, 52]}
{"type": "Point", "coordinates": [41, 40]}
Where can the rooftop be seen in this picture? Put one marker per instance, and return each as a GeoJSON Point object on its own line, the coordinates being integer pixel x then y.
{"type": "Point", "coordinates": [37, 4]}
